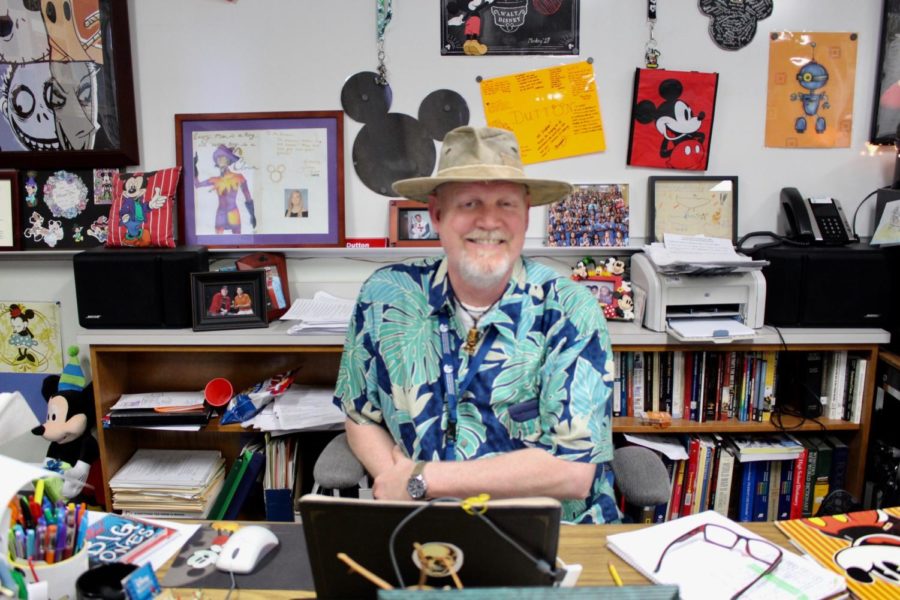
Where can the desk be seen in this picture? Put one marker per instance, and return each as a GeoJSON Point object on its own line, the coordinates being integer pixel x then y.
{"type": "Point", "coordinates": [578, 544]}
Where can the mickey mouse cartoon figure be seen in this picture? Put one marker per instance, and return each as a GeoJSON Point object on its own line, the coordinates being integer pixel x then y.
{"type": "Point", "coordinates": [874, 550]}
{"type": "Point", "coordinates": [70, 414]}
{"type": "Point", "coordinates": [136, 209]}
{"type": "Point", "coordinates": [682, 140]}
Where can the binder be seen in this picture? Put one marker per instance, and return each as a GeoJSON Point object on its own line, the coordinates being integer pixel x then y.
{"type": "Point", "coordinates": [246, 484]}
{"type": "Point", "coordinates": [223, 500]}
{"type": "Point", "coordinates": [148, 417]}
{"type": "Point", "coordinates": [279, 504]}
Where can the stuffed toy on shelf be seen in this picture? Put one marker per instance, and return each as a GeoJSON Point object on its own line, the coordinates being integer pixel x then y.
{"type": "Point", "coordinates": [73, 449]}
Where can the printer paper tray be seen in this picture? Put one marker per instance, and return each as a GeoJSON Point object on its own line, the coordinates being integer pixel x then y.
{"type": "Point", "coordinates": [718, 331]}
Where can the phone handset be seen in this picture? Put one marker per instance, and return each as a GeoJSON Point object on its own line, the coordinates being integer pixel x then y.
{"type": "Point", "coordinates": [815, 220]}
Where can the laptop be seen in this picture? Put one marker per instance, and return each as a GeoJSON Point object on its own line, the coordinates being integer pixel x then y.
{"type": "Point", "coordinates": [513, 543]}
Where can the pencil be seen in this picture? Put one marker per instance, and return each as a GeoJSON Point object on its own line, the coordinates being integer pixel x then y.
{"type": "Point", "coordinates": [614, 573]}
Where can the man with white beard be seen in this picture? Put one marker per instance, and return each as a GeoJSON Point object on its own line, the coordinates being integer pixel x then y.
{"type": "Point", "coordinates": [481, 371]}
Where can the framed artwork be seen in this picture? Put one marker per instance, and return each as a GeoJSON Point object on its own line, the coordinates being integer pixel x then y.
{"type": "Point", "coordinates": [70, 62]}
{"type": "Point", "coordinates": [693, 206]}
{"type": "Point", "coordinates": [672, 119]}
{"type": "Point", "coordinates": [410, 225]}
{"type": "Point", "coordinates": [596, 214]}
{"type": "Point", "coordinates": [229, 299]}
{"type": "Point", "coordinates": [9, 211]}
{"type": "Point", "coordinates": [32, 337]}
{"type": "Point", "coordinates": [609, 281]}
{"type": "Point", "coordinates": [886, 113]}
{"type": "Point", "coordinates": [58, 210]}
{"type": "Point", "coordinates": [478, 27]}
{"type": "Point", "coordinates": [278, 293]}
{"type": "Point", "coordinates": [261, 179]}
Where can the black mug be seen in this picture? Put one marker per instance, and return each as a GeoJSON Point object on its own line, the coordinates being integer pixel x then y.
{"type": "Point", "coordinates": [103, 582]}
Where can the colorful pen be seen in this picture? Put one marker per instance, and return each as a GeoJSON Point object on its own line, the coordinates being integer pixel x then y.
{"type": "Point", "coordinates": [50, 554]}
{"type": "Point", "coordinates": [39, 491]}
{"type": "Point", "coordinates": [82, 530]}
{"type": "Point", "coordinates": [29, 544]}
{"type": "Point", "coordinates": [61, 538]}
{"type": "Point", "coordinates": [41, 538]}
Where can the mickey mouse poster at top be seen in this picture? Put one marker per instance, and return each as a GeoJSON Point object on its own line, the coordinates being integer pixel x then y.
{"type": "Point", "coordinates": [672, 118]}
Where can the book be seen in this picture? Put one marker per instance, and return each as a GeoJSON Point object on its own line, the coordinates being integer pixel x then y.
{"type": "Point", "coordinates": [116, 538]}
{"type": "Point", "coordinates": [748, 489]}
{"type": "Point", "coordinates": [698, 567]}
{"type": "Point", "coordinates": [724, 480]}
{"type": "Point", "coordinates": [840, 456]}
{"type": "Point", "coordinates": [785, 489]}
{"type": "Point", "coordinates": [823, 471]}
{"type": "Point", "coordinates": [766, 447]}
{"type": "Point", "coordinates": [799, 485]}
{"type": "Point", "coordinates": [862, 547]}
{"type": "Point", "coordinates": [774, 489]}
{"type": "Point", "coordinates": [690, 477]}
{"type": "Point", "coordinates": [761, 492]}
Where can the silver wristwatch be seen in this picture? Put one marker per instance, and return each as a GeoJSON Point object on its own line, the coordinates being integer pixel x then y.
{"type": "Point", "coordinates": [416, 487]}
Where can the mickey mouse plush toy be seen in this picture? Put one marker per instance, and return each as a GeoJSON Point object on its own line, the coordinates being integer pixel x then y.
{"type": "Point", "coordinates": [70, 416]}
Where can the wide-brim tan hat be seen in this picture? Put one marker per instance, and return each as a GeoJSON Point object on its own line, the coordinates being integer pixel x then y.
{"type": "Point", "coordinates": [477, 154]}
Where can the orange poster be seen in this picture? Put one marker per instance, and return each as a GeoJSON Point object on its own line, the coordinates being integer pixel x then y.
{"type": "Point", "coordinates": [810, 100]}
{"type": "Point", "coordinates": [555, 112]}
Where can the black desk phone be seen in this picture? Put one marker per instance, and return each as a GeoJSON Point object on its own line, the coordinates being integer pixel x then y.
{"type": "Point", "coordinates": [815, 220]}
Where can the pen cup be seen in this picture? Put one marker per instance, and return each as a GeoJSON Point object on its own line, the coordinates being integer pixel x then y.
{"type": "Point", "coordinates": [218, 393]}
{"type": "Point", "coordinates": [60, 576]}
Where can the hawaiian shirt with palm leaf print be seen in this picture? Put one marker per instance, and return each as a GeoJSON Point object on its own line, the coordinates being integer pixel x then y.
{"type": "Point", "coordinates": [544, 381]}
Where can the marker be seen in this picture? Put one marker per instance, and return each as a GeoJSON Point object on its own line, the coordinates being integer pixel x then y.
{"type": "Point", "coordinates": [41, 539]}
{"type": "Point", "coordinates": [29, 544]}
{"type": "Point", "coordinates": [82, 530]}
{"type": "Point", "coordinates": [615, 574]}
{"type": "Point", "coordinates": [50, 554]}
{"type": "Point", "coordinates": [39, 491]}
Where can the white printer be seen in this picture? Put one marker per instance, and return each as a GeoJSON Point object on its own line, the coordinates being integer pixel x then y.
{"type": "Point", "coordinates": [700, 308]}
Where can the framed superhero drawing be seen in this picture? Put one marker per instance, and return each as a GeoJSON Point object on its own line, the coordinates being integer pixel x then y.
{"type": "Point", "coordinates": [672, 119]}
{"type": "Point", "coordinates": [478, 27]}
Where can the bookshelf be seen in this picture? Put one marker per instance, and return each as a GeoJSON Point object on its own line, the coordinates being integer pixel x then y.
{"type": "Point", "coordinates": [129, 361]}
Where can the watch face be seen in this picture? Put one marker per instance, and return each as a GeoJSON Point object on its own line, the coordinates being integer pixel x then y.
{"type": "Point", "coordinates": [416, 487]}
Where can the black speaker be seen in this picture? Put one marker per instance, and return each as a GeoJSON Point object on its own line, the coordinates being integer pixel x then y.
{"type": "Point", "coordinates": [818, 286]}
{"type": "Point", "coordinates": [799, 382]}
{"type": "Point", "coordinates": [139, 288]}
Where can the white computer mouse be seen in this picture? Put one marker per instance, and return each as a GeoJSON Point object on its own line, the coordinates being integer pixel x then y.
{"type": "Point", "coordinates": [245, 549]}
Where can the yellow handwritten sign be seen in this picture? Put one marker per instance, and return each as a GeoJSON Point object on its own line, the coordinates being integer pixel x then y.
{"type": "Point", "coordinates": [555, 112]}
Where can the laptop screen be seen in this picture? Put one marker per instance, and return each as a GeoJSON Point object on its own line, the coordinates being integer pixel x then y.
{"type": "Point", "coordinates": [513, 543]}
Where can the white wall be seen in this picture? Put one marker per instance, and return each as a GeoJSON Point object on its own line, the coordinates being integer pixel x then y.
{"type": "Point", "coordinates": [201, 56]}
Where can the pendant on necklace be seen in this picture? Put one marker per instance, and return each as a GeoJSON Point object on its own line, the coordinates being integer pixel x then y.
{"type": "Point", "coordinates": [471, 341]}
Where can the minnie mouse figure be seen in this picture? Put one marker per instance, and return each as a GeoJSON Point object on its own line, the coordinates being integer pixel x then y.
{"type": "Point", "coordinates": [22, 338]}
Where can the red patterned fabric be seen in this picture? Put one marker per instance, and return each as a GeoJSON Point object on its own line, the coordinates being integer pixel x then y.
{"type": "Point", "coordinates": [143, 209]}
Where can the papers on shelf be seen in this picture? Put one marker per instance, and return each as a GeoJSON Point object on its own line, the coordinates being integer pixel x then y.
{"type": "Point", "coordinates": [667, 445]}
{"type": "Point", "coordinates": [172, 483]}
{"type": "Point", "coordinates": [705, 329]}
{"type": "Point", "coordinates": [698, 255]}
{"type": "Point", "coordinates": [302, 407]}
{"type": "Point", "coordinates": [160, 400]}
{"type": "Point", "coordinates": [766, 447]}
{"type": "Point", "coordinates": [703, 570]}
{"type": "Point", "coordinates": [323, 313]}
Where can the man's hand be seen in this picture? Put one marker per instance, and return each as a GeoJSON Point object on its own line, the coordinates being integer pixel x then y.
{"type": "Point", "coordinates": [391, 483]}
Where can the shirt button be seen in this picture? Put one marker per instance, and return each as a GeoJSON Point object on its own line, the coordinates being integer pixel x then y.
{"type": "Point", "coordinates": [443, 328]}
{"type": "Point", "coordinates": [448, 369]}
{"type": "Point", "coordinates": [464, 443]}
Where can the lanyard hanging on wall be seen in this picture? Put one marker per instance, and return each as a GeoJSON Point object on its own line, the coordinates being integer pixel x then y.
{"type": "Point", "coordinates": [383, 12]}
{"type": "Point", "coordinates": [651, 51]}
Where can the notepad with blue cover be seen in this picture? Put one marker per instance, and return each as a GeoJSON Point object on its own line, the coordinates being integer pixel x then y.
{"type": "Point", "coordinates": [520, 552]}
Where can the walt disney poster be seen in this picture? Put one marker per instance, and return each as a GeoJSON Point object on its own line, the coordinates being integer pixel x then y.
{"type": "Point", "coordinates": [810, 95]}
{"type": "Point", "coordinates": [672, 119]}
{"type": "Point", "coordinates": [478, 27]}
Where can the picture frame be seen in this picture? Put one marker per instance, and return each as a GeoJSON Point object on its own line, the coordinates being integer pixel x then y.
{"type": "Point", "coordinates": [97, 58]}
{"type": "Point", "coordinates": [63, 209]}
{"type": "Point", "coordinates": [228, 300]}
{"type": "Point", "coordinates": [886, 110]}
{"type": "Point", "coordinates": [278, 290]}
{"type": "Point", "coordinates": [608, 279]}
{"type": "Point", "coordinates": [9, 210]}
{"type": "Point", "coordinates": [410, 225]}
{"type": "Point", "coordinates": [706, 205]}
{"type": "Point", "coordinates": [270, 157]}
{"type": "Point", "coordinates": [595, 215]}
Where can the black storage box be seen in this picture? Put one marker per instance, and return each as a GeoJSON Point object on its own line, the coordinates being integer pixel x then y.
{"type": "Point", "coordinates": [140, 288]}
{"type": "Point", "coordinates": [826, 286]}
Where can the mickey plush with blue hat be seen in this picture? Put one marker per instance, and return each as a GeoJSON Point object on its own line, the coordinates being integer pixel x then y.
{"type": "Point", "coordinates": [70, 417]}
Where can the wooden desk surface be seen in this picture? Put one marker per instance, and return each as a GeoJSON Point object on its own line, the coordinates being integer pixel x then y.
{"type": "Point", "coordinates": [578, 544]}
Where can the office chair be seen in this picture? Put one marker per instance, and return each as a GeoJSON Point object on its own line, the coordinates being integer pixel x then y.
{"type": "Point", "coordinates": [639, 472]}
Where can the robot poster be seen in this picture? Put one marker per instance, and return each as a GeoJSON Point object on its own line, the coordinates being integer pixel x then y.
{"type": "Point", "coordinates": [479, 27]}
{"type": "Point", "coordinates": [810, 93]}
{"type": "Point", "coordinates": [672, 119]}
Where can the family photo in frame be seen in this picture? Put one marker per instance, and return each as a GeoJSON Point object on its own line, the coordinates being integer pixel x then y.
{"type": "Point", "coordinates": [229, 300]}
{"type": "Point", "coordinates": [410, 225]}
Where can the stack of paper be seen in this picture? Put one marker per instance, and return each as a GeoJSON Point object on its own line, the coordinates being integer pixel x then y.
{"type": "Point", "coordinates": [323, 314]}
{"type": "Point", "coordinates": [178, 410]}
{"type": "Point", "coordinates": [168, 483]}
{"type": "Point", "coordinates": [302, 407]}
{"type": "Point", "coordinates": [703, 570]}
{"type": "Point", "coordinates": [698, 255]}
{"type": "Point", "coordinates": [766, 447]}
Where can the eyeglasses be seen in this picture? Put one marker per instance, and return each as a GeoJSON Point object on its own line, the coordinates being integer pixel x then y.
{"type": "Point", "coordinates": [761, 550]}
